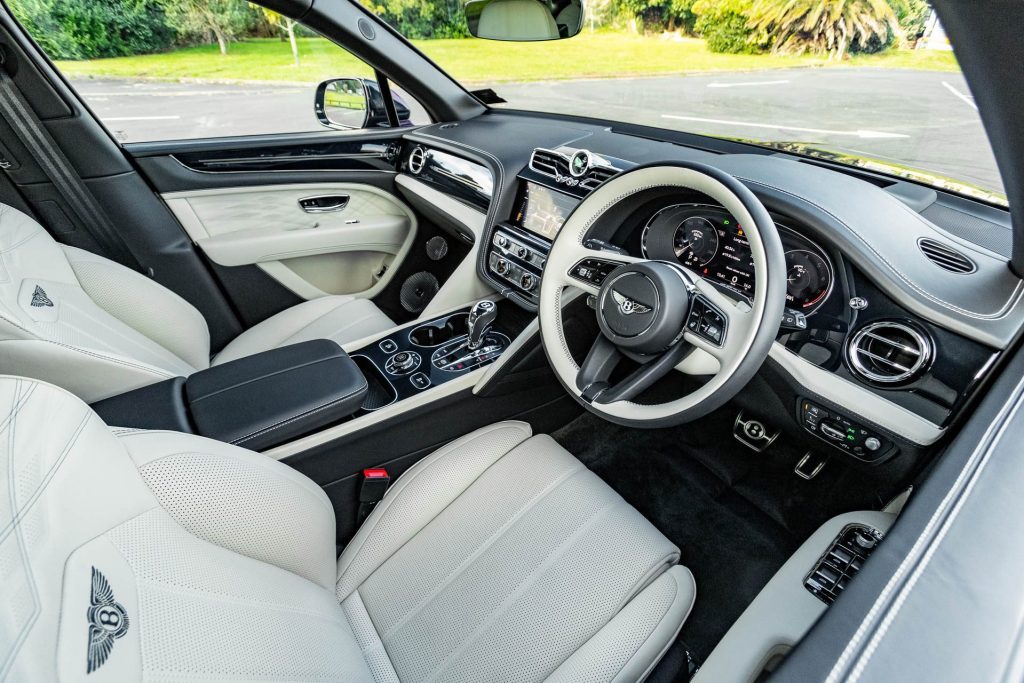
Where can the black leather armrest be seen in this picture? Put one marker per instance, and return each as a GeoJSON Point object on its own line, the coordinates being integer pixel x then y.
{"type": "Point", "coordinates": [158, 406]}
{"type": "Point", "coordinates": [267, 399]}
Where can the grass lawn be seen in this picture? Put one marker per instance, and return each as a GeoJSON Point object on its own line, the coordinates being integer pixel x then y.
{"type": "Point", "coordinates": [478, 61]}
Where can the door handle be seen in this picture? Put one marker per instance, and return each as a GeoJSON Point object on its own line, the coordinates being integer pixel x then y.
{"type": "Point", "coordinates": [324, 203]}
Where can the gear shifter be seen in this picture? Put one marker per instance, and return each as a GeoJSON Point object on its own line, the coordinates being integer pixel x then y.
{"type": "Point", "coordinates": [481, 316]}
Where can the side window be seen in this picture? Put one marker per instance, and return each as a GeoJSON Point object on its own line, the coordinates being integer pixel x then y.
{"type": "Point", "coordinates": [182, 69]}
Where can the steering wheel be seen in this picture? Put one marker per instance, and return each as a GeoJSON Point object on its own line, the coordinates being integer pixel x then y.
{"type": "Point", "coordinates": [659, 313]}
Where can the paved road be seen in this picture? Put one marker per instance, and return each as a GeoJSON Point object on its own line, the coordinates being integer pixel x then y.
{"type": "Point", "coordinates": [926, 120]}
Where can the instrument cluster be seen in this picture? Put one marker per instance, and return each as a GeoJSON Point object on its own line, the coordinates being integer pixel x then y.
{"type": "Point", "coordinates": [709, 241]}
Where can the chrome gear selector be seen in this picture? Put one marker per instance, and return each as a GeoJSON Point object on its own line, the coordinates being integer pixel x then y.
{"type": "Point", "coordinates": [481, 317]}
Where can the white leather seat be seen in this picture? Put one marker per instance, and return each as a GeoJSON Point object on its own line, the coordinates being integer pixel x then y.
{"type": "Point", "coordinates": [99, 329]}
{"type": "Point", "coordinates": [516, 20]}
{"type": "Point", "coordinates": [128, 554]}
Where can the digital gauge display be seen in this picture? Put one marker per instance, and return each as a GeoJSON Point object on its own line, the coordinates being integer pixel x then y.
{"type": "Point", "coordinates": [710, 242]}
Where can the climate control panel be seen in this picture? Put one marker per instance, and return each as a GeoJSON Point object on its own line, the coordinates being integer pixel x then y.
{"type": "Point", "coordinates": [516, 260]}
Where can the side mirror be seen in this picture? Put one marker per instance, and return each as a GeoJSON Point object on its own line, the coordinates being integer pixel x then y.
{"type": "Point", "coordinates": [351, 103]}
{"type": "Point", "coordinates": [524, 20]}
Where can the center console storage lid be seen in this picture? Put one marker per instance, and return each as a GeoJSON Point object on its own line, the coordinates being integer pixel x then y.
{"type": "Point", "coordinates": [267, 399]}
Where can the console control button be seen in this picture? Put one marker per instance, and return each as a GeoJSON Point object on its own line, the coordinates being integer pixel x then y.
{"type": "Point", "coordinates": [420, 381]}
{"type": "Point", "coordinates": [843, 433]}
{"type": "Point", "coordinates": [402, 363]}
{"type": "Point", "coordinates": [527, 282]}
{"type": "Point", "coordinates": [388, 346]}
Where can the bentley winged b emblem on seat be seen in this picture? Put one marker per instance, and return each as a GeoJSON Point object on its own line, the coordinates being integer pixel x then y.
{"type": "Point", "coordinates": [107, 621]}
{"type": "Point", "coordinates": [628, 306]}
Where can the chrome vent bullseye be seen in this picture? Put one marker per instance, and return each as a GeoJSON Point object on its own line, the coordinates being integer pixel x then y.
{"type": "Point", "coordinates": [889, 352]}
{"type": "Point", "coordinates": [945, 256]}
{"type": "Point", "coordinates": [417, 158]}
{"type": "Point", "coordinates": [559, 166]}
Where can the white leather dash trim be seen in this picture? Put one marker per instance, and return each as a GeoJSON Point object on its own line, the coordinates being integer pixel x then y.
{"type": "Point", "coordinates": [466, 216]}
{"type": "Point", "coordinates": [464, 286]}
{"type": "Point", "coordinates": [855, 399]}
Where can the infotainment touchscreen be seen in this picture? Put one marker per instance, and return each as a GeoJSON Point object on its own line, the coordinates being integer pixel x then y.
{"type": "Point", "coordinates": [541, 210]}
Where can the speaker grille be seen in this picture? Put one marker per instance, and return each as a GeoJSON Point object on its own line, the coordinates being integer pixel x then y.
{"type": "Point", "coordinates": [437, 248]}
{"type": "Point", "coordinates": [417, 291]}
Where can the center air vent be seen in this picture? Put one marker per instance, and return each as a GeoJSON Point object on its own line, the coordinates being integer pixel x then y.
{"type": "Point", "coordinates": [945, 256]}
{"type": "Point", "coordinates": [888, 352]}
{"type": "Point", "coordinates": [417, 158]}
{"type": "Point", "coordinates": [589, 172]}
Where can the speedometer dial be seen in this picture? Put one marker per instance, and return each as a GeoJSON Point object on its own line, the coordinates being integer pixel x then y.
{"type": "Point", "coordinates": [809, 279]}
{"type": "Point", "coordinates": [696, 242]}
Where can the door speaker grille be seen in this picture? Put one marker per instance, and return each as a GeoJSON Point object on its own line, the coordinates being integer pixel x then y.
{"type": "Point", "coordinates": [417, 291]}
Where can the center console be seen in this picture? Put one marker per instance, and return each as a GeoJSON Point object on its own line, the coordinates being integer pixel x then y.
{"type": "Point", "coordinates": [549, 189]}
{"type": "Point", "coordinates": [271, 398]}
{"type": "Point", "coordinates": [411, 360]}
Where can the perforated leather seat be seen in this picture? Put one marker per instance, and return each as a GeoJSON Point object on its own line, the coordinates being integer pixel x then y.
{"type": "Point", "coordinates": [98, 329]}
{"type": "Point", "coordinates": [128, 554]}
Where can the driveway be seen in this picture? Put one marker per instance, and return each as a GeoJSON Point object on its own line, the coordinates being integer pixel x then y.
{"type": "Point", "coordinates": [922, 119]}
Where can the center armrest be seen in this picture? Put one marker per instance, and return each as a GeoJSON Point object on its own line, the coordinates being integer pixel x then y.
{"type": "Point", "coordinates": [269, 398]}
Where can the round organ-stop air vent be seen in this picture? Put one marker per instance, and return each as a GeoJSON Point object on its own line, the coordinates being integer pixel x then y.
{"type": "Point", "coordinates": [417, 158]}
{"type": "Point", "coordinates": [889, 352]}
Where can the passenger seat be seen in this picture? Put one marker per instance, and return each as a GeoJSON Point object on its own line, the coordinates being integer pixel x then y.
{"type": "Point", "coordinates": [98, 329]}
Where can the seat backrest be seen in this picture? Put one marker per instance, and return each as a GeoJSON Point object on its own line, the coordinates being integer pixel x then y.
{"type": "Point", "coordinates": [517, 20]}
{"type": "Point", "coordinates": [87, 323]}
{"type": "Point", "coordinates": [128, 555]}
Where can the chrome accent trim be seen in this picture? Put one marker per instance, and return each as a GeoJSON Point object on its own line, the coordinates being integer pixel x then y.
{"type": "Point", "coordinates": [855, 351]}
{"type": "Point", "coordinates": [417, 160]}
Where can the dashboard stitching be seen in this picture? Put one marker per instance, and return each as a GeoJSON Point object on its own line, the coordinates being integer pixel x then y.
{"type": "Point", "coordinates": [1014, 296]}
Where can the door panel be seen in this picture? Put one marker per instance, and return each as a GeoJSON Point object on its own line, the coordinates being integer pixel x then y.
{"type": "Point", "coordinates": [349, 243]}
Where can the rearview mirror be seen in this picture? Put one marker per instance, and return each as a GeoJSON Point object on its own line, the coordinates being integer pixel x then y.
{"type": "Point", "coordinates": [524, 20]}
{"type": "Point", "coordinates": [349, 103]}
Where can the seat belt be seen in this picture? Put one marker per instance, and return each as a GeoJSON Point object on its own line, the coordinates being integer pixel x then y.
{"type": "Point", "coordinates": [58, 169]}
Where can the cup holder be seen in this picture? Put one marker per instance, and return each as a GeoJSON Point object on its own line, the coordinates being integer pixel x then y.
{"type": "Point", "coordinates": [438, 332]}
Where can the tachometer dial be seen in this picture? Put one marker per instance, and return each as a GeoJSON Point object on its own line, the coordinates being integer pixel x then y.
{"type": "Point", "coordinates": [696, 242]}
{"type": "Point", "coordinates": [809, 280]}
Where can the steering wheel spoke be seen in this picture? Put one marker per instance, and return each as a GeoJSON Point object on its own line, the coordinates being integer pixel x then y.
{"type": "Point", "coordinates": [717, 324]}
{"type": "Point", "coordinates": [585, 268]}
{"type": "Point", "coordinates": [601, 361]}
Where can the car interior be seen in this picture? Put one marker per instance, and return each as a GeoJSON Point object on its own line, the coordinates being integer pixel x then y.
{"type": "Point", "coordinates": [506, 396]}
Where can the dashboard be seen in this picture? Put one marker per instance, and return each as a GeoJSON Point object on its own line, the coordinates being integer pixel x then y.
{"type": "Point", "coordinates": [709, 241]}
{"type": "Point", "coordinates": [887, 331]}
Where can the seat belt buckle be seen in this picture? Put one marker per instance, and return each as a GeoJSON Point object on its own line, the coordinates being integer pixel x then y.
{"type": "Point", "coordinates": [375, 484]}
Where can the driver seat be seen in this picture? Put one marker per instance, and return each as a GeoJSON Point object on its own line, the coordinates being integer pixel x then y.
{"type": "Point", "coordinates": [128, 554]}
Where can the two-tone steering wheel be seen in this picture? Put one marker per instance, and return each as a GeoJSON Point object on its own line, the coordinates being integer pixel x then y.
{"type": "Point", "coordinates": [660, 314]}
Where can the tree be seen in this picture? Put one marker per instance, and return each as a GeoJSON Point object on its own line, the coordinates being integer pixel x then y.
{"type": "Point", "coordinates": [287, 24]}
{"type": "Point", "coordinates": [224, 19]}
{"type": "Point", "coordinates": [825, 26]}
{"type": "Point", "coordinates": [667, 15]}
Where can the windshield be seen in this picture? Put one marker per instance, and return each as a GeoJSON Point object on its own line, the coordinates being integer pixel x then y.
{"type": "Point", "coordinates": [892, 99]}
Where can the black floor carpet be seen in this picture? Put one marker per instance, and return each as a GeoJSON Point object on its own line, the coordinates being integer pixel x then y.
{"type": "Point", "coordinates": [735, 514]}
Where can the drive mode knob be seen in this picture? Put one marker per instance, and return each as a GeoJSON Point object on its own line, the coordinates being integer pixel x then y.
{"type": "Point", "coordinates": [403, 361]}
{"type": "Point", "coordinates": [872, 444]}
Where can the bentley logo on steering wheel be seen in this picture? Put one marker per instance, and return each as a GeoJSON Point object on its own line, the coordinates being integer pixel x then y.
{"type": "Point", "coordinates": [627, 306]}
